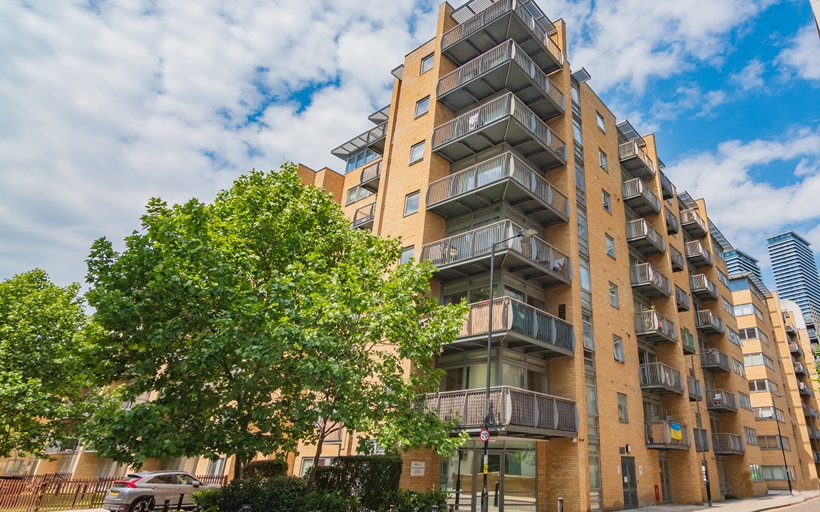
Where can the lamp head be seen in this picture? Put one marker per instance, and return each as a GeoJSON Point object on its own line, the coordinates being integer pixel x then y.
{"type": "Point", "coordinates": [528, 232]}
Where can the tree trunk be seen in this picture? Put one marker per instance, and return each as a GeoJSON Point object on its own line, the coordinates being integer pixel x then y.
{"type": "Point", "coordinates": [237, 467]}
{"type": "Point", "coordinates": [316, 457]}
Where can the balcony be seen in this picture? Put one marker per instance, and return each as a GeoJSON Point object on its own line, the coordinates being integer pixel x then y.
{"type": "Point", "coordinates": [672, 222]}
{"type": "Point", "coordinates": [810, 412]}
{"type": "Point", "coordinates": [698, 255]}
{"type": "Point", "coordinates": [678, 261]}
{"type": "Point", "coordinates": [68, 447]}
{"type": "Point", "coordinates": [701, 439]}
{"type": "Point", "coordinates": [373, 139]}
{"type": "Point", "coordinates": [502, 178]}
{"type": "Point", "coordinates": [803, 389]}
{"type": "Point", "coordinates": [521, 327]}
{"type": "Point", "coordinates": [636, 161]}
{"type": "Point", "coordinates": [505, 67]}
{"type": "Point", "coordinates": [682, 299]}
{"type": "Point", "coordinates": [468, 254]}
{"type": "Point", "coordinates": [695, 389]}
{"type": "Point", "coordinates": [644, 238]}
{"type": "Point", "coordinates": [814, 434]}
{"type": "Point", "coordinates": [661, 379]}
{"type": "Point", "coordinates": [714, 361]}
{"type": "Point", "coordinates": [648, 280]}
{"type": "Point", "coordinates": [652, 327]}
{"type": "Point", "coordinates": [505, 119]}
{"type": "Point", "coordinates": [708, 322]}
{"type": "Point", "coordinates": [521, 21]}
{"type": "Point", "coordinates": [666, 435]}
{"type": "Point", "coordinates": [794, 348]}
{"type": "Point", "coordinates": [703, 288]}
{"type": "Point", "coordinates": [638, 196]}
{"type": "Point", "coordinates": [728, 444]}
{"type": "Point", "coordinates": [693, 223]}
{"type": "Point", "coordinates": [363, 217]}
{"type": "Point", "coordinates": [800, 369]}
{"type": "Point", "coordinates": [688, 342]}
{"type": "Point", "coordinates": [513, 411]}
{"type": "Point", "coordinates": [719, 400]}
{"type": "Point", "coordinates": [371, 175]}
{"type": "Point", "coordinates": [816, 456]}
{"type": "Point", "coordinates": [667, 187]}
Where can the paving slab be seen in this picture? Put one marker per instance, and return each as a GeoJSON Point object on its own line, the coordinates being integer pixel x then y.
{"type": "Point", "coordinates": [767, 502]}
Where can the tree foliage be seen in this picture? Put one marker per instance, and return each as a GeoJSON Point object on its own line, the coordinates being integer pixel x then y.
{"type": "Point", "coordinates": [41, 382]}
{"type": "Point", "coordinates": [231, 317]}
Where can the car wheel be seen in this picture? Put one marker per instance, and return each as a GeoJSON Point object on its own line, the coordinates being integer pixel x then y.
{"type": "Point", "coordinates": [143, 505]}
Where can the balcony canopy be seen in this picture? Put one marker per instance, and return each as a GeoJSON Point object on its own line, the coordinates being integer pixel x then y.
{"type": "Point", "coordinates": [373, 139]}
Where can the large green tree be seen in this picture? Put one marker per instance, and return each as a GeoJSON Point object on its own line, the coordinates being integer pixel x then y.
{"type": "Point", "coordinates": [230, 316]}
{"type": "Point", "coordinates": [41, 383]}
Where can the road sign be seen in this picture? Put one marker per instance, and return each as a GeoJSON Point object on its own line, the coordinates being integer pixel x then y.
{"type": "Point", "coordinates": [484, 435]}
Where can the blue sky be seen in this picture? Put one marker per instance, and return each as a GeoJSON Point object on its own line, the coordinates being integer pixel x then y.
{"type": "Point", "coordinates": [107, 103]}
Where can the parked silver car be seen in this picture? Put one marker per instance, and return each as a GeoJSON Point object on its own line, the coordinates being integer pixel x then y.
{"type": "Point", "coordinates": [141, 492]}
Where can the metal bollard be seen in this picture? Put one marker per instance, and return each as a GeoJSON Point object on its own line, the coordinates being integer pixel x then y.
{"type": "Point", "coordinates": [452, 508]}
{"type": "Point", "coordinates": [167, 506]}
{"type": "Point", "coordinates": [179, 503]}
{"type": "Point", "coordinates": [392, 508]}
{"type": "Point", "coordinates": [246, 508]}
{"type": "Point", "coordinates": [434, 508]}
{"type": "Point", "coordinates": [560, 504]}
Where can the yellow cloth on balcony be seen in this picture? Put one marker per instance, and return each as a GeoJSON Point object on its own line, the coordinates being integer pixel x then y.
{"type": "Point", "coordinates": [675, 430]}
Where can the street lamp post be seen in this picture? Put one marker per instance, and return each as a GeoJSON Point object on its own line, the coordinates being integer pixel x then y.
{"type": "Point", "coordinates": [702, 442]}
{"type": "Point", "coordinates": [485, 495]}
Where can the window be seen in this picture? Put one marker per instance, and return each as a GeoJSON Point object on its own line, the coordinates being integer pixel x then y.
{"type": "Point", "coordinates": [216, 467]}
{"type": "Point", "coordinates": [357, 193]}
{"type": "Point", "coordinates": [744, 400]}
{"type": "Point", "coordinates": [764, 386]}
{"type": "Point", "coordinates": [583, 235]}
{"type": "Point", "coordinates": [757, 472]}
{"type": "Point", "coordinates": [734, 337]}
{"type": "Point", "coordinates": [417, 152]}
{"type": "Point", "coordinates": [723, 278]}
{"type": "Point", "coordinates": [599, 120]}
{"type": "Point", "coordinates": [576, 132]}
{"type": "Point", "coordinates": [748, 309]}
{"type": "Point", "coordinates": [768, 413]}
{"type": "Point", "coordinates": [751, 436]}
{"type": "Point", "coordinates": [774, 443]}
{"type": "Point", "coordinates": [411, 203]}
{"type": "Point", "coordinates": [753, 333]}
{"type": "Point", "coordinates": [610, 246]}
{"type": "Point", "coordinates": [613, 295]}
{"type": "Point", "coordinates": [427, 63]}
{"type": "Point", "coordinates": [422, 106]}
{"type": "Point", "coordinates": [602, 160]}
{"type": "Point", "coordinates": [623, 414]}
{"type": "Point", "coordinates": [757, 359]}
{"type": "Point", "coordinates": [107, 468]}
{"type": "Point", "coordinates": [589, 334]}
{"type": "Point", "coordinates": [777, 472]}
{"type": "Point", "coordinates": [307, 463]}
{"type": "Point", "coordinates": [359, 158]}
{"type": "Point", "coordinates": [607, 201]}
{"type": "Point", "coordinates": [407, 254]}
{"type": "Point", "coordinates": [739, 368]}
{"type": "Point", "coordinates": [618, 348]}
{"type": "Point", "coordinates": [727, 306]}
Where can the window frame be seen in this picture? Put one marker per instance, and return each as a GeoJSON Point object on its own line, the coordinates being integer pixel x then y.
{"type": "Point", "coordinates": [413, 149]}
{"type": "Point", "coordinates": [618, 349]}
{"type": "Point", "coordinates": [613, 294]}
{"type": "Point", "coordinates": [600, 122]}
{"type": "Point", "coordinates": [431, 59]}
{"type": "Point", "coordinates": [623, 407]}
{"type": "Point", "coordinates": [426, 108]}
{"type": "Point", "coordinates": [404, 251]}
{"type": "Point", "coordinates": [606, 201]}
{"type": "Point", "coordinates": [602, 160]}
{"type": "Point", "coordinates": [407, 198]}
{"type": "Point", "coordinates": [610, 244]}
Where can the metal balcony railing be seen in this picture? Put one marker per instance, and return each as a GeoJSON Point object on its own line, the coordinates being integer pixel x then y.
{"type": "Point", "coordinates": [693, 223]}
{"type": "Point", "coordinates": [631, 151]}
{"type": "Point", "coordinates": [688, 342]}
{"type": "Point", "coordinates": [682, 299]}
{"type": "Point", "coordinates": [638, 196]}
{"type": "Point", "coordinates": [713, 359]}
{"type": "Point", "coordinates": [479, 242]}
{"type": "Point", "coordinates": [803, 389]}
{"type": "Point", "coordinates": [707, 321]}
{"type": "Point", "coordinates": [814, 434]}
{"type": "Point", "coordinates": [373, 138]}
{"type": "Point", "coordinates": [507, 51]}
{"type": "Point", "coordinates": [507, 105]}
{"type": "Point", "coordinates": [496, 170]}
{"type": "Point", "coordinates": [698, 254]}
{"type": "Point", "coordinates": [652, 326]}
{"type": "Point", "coordinates": [665, 435]}
{"type": "Point", "coordinates": [370, 176]}
{"type": "Point", "coordinates": [702, 440]}
{"type": "Point", "coordinates": [667, 187]}
{"type": "Point", "coordinates": [511, 409]}
{"type": "Point", "coordinates": [649, 280]}
{"type": "Point", "coordinates": [728, 444]}
{"type": "Point", "coordinates": [540, 27]}
{"type": "Point", "coordinates": [816, 457]}
{"type": "Point", "coordinates": [703, 288]}
{"type": "Point", "coordinates": [678, 261]}
{"type": "Point", "coordinates": [364, 216]}
{"type": "Point", "coordinates": [799, 368]}
{"type": "Point", "coordinates": [644, 237]}
{"type": "Point", "coordinates": [659, 376]}
{"type": "Point", "coordinates": [794, 348]}
{"type": "Point", "coordinates": [512, 315]}
{"type": "Point", "coordinates": [672, 222]}
{"type": "Point", "coordinates": [720, 400]}
{"type": "Point", "coordinates": [695, 389]}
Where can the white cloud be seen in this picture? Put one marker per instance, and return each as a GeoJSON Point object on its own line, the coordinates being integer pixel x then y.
{"type": "Point", "coordinates": [802, 55]}
{"type": "Point", "coordinates": [746, 209]}
{"type": "Point", "coordinates": [750, 77]}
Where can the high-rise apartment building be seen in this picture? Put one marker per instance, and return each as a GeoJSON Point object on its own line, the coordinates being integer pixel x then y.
{"type": "Point", "coordinates": [738, 262]}
{"type": "Point", "coordinates": [795, 271]}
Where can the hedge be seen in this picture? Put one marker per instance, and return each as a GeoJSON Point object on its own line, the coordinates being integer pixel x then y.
{"type": "Point", "coordinates": [371, 479]}
{"type": "Point", "coordinates": [265, 468]}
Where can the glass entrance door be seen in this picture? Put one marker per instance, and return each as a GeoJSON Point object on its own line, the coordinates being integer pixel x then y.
{"type": "Point", "coordinates": [456, 478]}
{"type": "Point", "coordinates": [666, 480]}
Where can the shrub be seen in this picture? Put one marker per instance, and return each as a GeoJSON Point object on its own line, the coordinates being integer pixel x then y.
{"type": "Point", "coordinates": [205, 499]}
{"type": "Point", "coordinates": [368, 478]}
{"type": "Point", "coordinates": [277, 494]}
{"type": "Point", "coordinates": [328, 502]}
{"type": "Point", "coordinates": [265, 468]}
{"type": "Point", "coordinates": [411, 501]}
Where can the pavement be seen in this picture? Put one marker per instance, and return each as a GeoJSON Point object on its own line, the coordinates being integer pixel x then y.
{"type": "Point", "coordinates": [775, 499]}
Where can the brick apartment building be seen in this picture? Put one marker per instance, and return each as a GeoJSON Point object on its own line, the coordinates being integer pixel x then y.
{"type": "Point", "coordinates": [623, 354]}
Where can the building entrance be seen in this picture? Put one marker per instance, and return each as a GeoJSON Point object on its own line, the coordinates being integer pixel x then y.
{"type": "Point", "coordinates": [511, 478]}
{"type": "Point", "coordinates": [630, 482]}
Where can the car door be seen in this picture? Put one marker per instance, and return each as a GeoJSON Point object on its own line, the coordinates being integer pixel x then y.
{"type": "Point", "coordinates": [186, 484]}
{"type": "Point", "coordinates": [164, 488]}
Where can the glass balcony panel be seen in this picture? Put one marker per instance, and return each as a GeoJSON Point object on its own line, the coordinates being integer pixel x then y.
{"type": "Point", "coordinates": [502, 178]}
